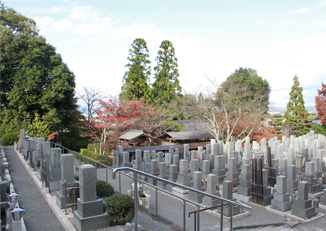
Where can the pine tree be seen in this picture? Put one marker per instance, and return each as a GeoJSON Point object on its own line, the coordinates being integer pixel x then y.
{"type": "Point", "coordinates": [296, 114]}
{"type": "Point", "coordinates": [135, 81]}
{"type": "Point", "coordinates": [166, 87]}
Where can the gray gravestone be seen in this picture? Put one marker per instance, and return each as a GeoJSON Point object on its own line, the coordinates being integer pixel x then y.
{"type": "Point", "coordinates": [89, 214]}
{"type": "Point", "coordinates": [67, 176]}
{"type": "Point", "coordinates": [211, 188]}
{"type": "Point", "coordinates": [302, 206]}
{"type": "Point", "coordinates": [281, 200]}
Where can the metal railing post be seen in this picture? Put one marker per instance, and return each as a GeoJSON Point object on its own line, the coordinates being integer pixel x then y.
{"type": "Point", "coordinates": [136, 200]}
{"type": "Point", "coordinates": [198, 214]}
{"type": "Point", "coordinates": [156, 202]}
{"type": "Point", "coordinates": [195, 221]}
{"type": "Point", "coordinates": [119, 182]}
{"type": "Point", "coordinates": [65, 190]}
{"type": "Point", "coordinates": [184, 215]}
{"type": "Point", "coordinates": [221, 224]}
{"type": "Point", "coordinates": [231, 219]}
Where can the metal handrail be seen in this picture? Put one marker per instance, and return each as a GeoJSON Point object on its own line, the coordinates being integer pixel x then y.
{"type": "Point", "coordinates": [136, 171]}
{"type": "Point", "coordinates": [136, 180]}
{"type": "Point", "coordinates": [180, 186]}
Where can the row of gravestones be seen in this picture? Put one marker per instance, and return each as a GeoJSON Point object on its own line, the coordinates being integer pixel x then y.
{"type": "Point", "coordinates": [232, 162]}
{"type": "Point", "coordinates": [4, 187]}
{"type": "Point", "coordinates": [58, 169]}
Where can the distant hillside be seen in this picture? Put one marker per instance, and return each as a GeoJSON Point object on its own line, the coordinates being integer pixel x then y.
{"type": "Point", "coordinates": [282, 110]}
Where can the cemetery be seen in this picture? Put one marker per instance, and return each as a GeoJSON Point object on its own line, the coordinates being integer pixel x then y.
{"type": "Point", "coordinates": [221, 185]}
{"type": "Point", "coordinates": [181, 145]}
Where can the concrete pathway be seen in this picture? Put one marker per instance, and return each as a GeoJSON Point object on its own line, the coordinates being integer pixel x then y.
{"type": "Point", "coordinates": [38, 215]}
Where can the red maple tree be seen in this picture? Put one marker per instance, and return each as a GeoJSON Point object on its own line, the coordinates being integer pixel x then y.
{"type": "Point", "coordinates": [116, 116]}
{"type": "Point", "coordinates": [321, 104]}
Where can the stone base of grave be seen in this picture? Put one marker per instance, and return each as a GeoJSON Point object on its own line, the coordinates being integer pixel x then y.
{"type": "Point", "coordinates": [53, 186]}
{"type": "Point", "coordinates": [304, 209]}
{"type": "Point", "coordinates": [220, 174]}
{"type": "Point", "coordinates": [227, 210]}
{"type": "Point", "coordinates": [185, 180]}
{"type": "Point", "coordinates": [92, 208]}
{"type": "Point", "coordinates": [161, 184]}
{"type": "Point", "coordinates": [242, 197]}
{"type": "Point", "coordinates": [234, 176]}
{"type": "Point", "coordinates": [179, 191]}
{"type": "Point", "coordinates": [90, 223]}
{"type": "Point", "coordinates": [209, 201]}
{"type": "Point", "coordinates": [245, 191]}
{"type": "Point", "coordinates": [60, 200]}
{"type": "Point", "coordinates": [152, 181]}
{"type": "Point", "coordinates": [281, 202]}
{"type": "Point", "coordinates": [126, 164]}
{"type": "Point", "coordinates": [42, 176]}
{"type": "Point", "coordinates": [242, 215]}
{"type": "Point", "coordinates": [323, 198]}
{"type": "Point", "coordinates": [195, 197]}
{"type": "Point", "coordinates": [291, 186]}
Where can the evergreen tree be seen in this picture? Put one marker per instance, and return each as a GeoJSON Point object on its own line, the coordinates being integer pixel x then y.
{"type": "Point", "coordinates": [37, 90]}
{"type": "Point", "coordinates": [135, 81]}
{"type": "Point", "coordinates": [277, 123]}
{"type": "Point", "coordinates": [256, 87]}
{"type": "Point", "coordinates": [166, 87]}
{"type": "Point", "coordinates": [296, 114]}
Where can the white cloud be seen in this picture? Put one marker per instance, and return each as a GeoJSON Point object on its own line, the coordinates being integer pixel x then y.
{"type": "Point", "coordinates": [323, 3]}
{"type": "Point", "coordinates": [302, 11]}
{"type": "Point", "coordinates": [319, 23]}
{"type": "Point", "coordinates": [45, 10]}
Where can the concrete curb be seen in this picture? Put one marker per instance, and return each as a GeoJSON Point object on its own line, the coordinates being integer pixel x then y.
{"type": "Point", "coordinates": [51, 200]}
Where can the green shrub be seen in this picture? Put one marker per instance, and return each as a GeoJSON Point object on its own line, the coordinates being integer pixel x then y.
{"type": "Point", "coordinates": [120, 209]}
{"type": "Point", "coordinates": [9, 138]}
{"type": "Point", "coordinates": [104, 189]}
{"type": "Point", "coordinates": [76, 177]}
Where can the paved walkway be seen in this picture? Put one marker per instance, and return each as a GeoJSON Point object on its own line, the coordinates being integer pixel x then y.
{"type": "Point", "coordinates": [38, 215]}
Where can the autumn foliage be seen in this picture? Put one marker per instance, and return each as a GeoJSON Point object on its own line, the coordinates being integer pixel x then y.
{"type": "Point", "coordinates": [321, 104]}
{"type": "Point", "coordinates": [265, 132]}
{"type": "Point", "coordinates": [116, 116]}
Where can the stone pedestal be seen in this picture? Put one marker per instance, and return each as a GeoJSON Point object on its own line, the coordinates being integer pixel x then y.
{"type": "Point", "coordinates": [219, 168]}
{"type": "Point", "coordinates": [154, 171]}
{"type": "Point", "coordinates": [211, 188]}
{"type": "Point", "coordinates": [291, 182]}
{"type": "Point", "coordinates": [54, 168]}
{"type": "Point", "coordinates": [183, 177]}
{"type": "Point", "coordinates": [67, 175]}
{"type": "Point", "coordinates": [125, 160]}
{"type": "Point", "coordinates": [302, 206]}
{"type": "Point", "coordinates": [244, 187]}
{"type": "Point", "coordinates": [89, 214]}
{"type": "Point", "coordinates": [228, 194]}
{"type": "Point", "coordinates": [323, 198]}
{"type": "Point", "coordinates": [281, 200]}
{"type": "Point", "coordinates": [197, 184]}
{"type": "Point", "coordinates": [162, 174]}
{"type": "Point", "coordinates": [310, 177]}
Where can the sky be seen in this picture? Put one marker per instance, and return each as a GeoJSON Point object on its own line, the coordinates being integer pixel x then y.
{"type": "Point", "coordinates": [212, 38]}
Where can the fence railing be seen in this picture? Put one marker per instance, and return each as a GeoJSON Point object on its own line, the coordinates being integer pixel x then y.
{"type": "Point", "coordinates": [120, 171]}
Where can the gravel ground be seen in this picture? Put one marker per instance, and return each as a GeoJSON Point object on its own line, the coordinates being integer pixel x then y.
{"type": "Point", "coordinates": [38, 215]}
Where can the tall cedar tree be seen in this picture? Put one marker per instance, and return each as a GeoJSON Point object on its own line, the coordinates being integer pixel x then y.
{"type": "Point", "coordinates": [166, 86]}
{"type": "Point", "coordinates": [135, 81]}
{"type": "Point", "coordinates": [37, 90]}
{"type": "Point", "coordinates": [321, 104]}
{"type": "Point", "coordinates": [296, 114]}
